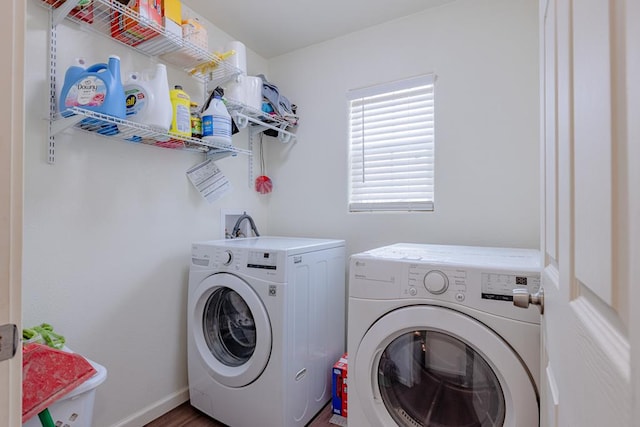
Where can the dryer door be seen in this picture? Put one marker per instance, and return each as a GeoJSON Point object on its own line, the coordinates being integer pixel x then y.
{"type": "Point", "coordinates": [432, 366]}
{"type": "Point", "coordinates": [231, 329]}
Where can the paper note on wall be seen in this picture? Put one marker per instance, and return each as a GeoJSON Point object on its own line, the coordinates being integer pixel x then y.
{"type": "Point", "coordinates": [209, 180]}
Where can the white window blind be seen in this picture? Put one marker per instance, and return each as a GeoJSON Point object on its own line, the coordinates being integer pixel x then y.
{"type": "Point", "coordinates": [391, 129]}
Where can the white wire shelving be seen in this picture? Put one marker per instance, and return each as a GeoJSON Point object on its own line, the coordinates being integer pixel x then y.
{"type": "Point", "coordinates": [243, 115]}
{"type": "Point", "coordinates": [99, 17]}
{"type": "Point", "coordinates": [115, 128]}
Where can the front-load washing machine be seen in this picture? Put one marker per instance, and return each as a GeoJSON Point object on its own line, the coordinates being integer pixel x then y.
{"type": "Point", "coordinates": [266, 322]}
{"type": "Point", "coordinates": [434, 338]}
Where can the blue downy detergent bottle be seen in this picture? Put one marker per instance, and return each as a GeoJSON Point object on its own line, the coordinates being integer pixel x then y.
{"type": "Point", "coordinates": [97, 88]}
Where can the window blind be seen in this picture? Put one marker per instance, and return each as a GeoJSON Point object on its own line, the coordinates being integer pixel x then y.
{"type": "Point", "coordinates": [391, 130]}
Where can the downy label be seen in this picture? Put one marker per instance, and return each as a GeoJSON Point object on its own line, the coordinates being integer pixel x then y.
{"type": "Point", "coordinates": [90, 91]}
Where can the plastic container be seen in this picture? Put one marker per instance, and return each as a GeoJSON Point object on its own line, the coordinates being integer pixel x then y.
{"type": "Point", "coordinates": [193, 32]}
{"type": "Point", "coordinates": [216, 123]}
{"type": "Point", "coordinates": [76, 408]}
{"type": "Point", "coordinates": [148, 100]}
{"type": "Point", "coordinates": [239, 58]}
{"type": "Point", "coordinates": [96, 88]}
{"type": "Point", "coordinates": [181, 114]}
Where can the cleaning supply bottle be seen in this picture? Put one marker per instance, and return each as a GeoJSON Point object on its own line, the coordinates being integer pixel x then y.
{"type": "Point", "coordinates": [147, 98]}
{"type": "Point", "coordinates": [196, 121]}
{"type": "Point", "coordinates": [181, 117]}
{"type": "Point", "coordinates": [96, 88]}
{"type": "Point", "coordinates": [216, 122]}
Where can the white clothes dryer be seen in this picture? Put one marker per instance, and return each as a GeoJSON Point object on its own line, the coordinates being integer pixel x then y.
{"type": "Point", "coordinates": [266, 321]}
{"type": "Point", "coordinates": [434, 338]}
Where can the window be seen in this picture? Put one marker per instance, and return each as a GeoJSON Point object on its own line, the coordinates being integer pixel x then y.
{"type": "Point", "coordinates": [391, 138]}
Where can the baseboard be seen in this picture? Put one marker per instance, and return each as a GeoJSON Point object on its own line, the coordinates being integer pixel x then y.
{"type": "Point", "coordinates": [155, 410]}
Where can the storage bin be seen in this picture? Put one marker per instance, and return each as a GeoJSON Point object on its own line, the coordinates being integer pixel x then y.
{"type": "Point", "coordinates": [76, 408]}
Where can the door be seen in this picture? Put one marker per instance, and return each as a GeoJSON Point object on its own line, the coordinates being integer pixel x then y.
{"type": "Point", "coordinates": [231, 329]}
{"type": "Point", "coordinates": [432, 366]}
{"type": "Point", "coordinates": [590, 206]}
{"type": "Point", "coordinates": [11, 143]}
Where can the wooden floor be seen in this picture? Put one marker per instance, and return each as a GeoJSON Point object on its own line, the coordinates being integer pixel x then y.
{"type": "Point", "coordinates": [186, 415]}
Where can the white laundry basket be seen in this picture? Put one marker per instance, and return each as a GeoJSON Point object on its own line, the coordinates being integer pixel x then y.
{"type": "Point", "coordinates": [76, 408]}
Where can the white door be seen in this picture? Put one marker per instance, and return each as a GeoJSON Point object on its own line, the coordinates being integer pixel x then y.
{"type": "Point", "coordinates": [11, 143]}
{"type": "Point", "coordinates": [590, 208]}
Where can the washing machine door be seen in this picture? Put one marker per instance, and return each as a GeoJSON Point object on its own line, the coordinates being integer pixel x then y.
{"type": "Point", "coordinates": [432, 366]}
{"type": "Point", "coordinates": [231, 329]}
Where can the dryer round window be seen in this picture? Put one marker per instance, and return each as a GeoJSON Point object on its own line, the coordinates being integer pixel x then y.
{"type": "Point", "coordinates": [449, 382]}
{"type": "Point", "coordinates": [466, 376]}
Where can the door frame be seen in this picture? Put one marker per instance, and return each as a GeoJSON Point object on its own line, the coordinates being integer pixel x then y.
{"type": "Point", "coordinates": [12, 32]}
{"type": "Point", "coordinates": [632, 13]}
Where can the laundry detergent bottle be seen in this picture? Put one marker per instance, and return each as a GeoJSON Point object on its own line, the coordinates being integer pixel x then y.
{"type": "Point", "coordinates": [97, 88]}
{"type": "Point", "coordinates": [181, 113]}
{"type": "Point", "coordinates": [216, 123]}
{"type": "Point", "coordinates": [147, 98]}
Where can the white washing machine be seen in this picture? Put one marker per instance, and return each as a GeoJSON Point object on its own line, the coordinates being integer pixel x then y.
{"type": "Point", "coordinates": [266, 322]}
{"type": "Point", "coordinates": [434, 338]}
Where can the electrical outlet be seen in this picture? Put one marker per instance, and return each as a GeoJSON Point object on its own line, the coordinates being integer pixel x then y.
{"type": "Point", "coordinates": [8, 341]}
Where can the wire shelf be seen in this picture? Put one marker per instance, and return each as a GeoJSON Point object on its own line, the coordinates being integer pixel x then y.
{"type": "Point", "coordinates": [277, 121]}
{"type": "Point", "coordinates": [243, 115]}
{"type": "Point", "coordinates": [144, 35]}
{"type": "Point", "coordinates": [113, 127]}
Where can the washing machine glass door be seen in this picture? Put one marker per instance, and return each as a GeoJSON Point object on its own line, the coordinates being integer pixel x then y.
{"type": "Point", "coordinates": [431, 366]}
{"type": "Point", "coordinates": [232, 330]}
{"type": "Point", "coordinates": [229, 327]}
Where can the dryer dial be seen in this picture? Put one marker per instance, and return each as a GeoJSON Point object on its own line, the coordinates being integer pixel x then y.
{"type": "Point", "coordinates": [436, 282]}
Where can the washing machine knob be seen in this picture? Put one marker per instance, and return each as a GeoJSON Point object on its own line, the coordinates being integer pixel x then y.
{"type": "Point", "coordinates": [436, 282]}
{"type": "Point", "coordinates": [227, 257]}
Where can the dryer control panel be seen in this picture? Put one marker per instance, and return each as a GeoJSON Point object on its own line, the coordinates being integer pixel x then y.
{"type": "Point", "coordinates": [436, 281]}
{"type": "Point", "coordinates": [500, 285]}
{"type": "Point", "coordinates": [475, 277]}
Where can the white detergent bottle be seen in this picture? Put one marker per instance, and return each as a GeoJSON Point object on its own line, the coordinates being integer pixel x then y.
{"type": "Point", "coordinates": [216, 123]}
{"type": "Point", "coordinates": [147, 98]}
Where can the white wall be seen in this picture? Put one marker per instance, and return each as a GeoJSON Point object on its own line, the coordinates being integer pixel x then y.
{"type": "Point", "coordinates": [108, 232]}
{"type": "Point", "coordinates": [485, 56]}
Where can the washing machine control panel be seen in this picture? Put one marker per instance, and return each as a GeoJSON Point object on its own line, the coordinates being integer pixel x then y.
{"type": "Point", "coordinates": [266, 264]}
{"type": "Point", "coordinates": [262, 259]}
{"type": "Point", "coordinates": [226, 257]}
